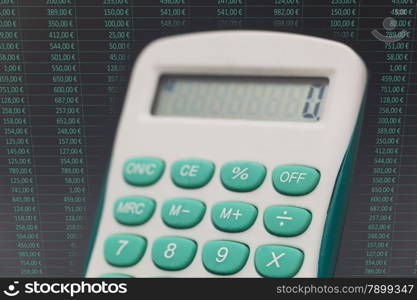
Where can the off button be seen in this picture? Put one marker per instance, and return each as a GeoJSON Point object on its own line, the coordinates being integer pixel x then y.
{"type": "Point", "coordinates": [295, 180]}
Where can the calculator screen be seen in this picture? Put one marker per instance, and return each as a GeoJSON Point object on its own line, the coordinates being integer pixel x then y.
{"type": "Point", "coordinates": [291, 99]}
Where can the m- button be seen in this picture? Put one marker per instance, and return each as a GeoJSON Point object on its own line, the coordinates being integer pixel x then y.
{"type": "Point", "coordinates": [182, 213]}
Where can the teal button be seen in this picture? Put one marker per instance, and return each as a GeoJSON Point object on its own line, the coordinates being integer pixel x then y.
{"type": "Point", "coordinates": [233, 216]}
{"type": "Point", "coordinates": [124, 250]}
{"type": "Point", "coordinates": [173, 253]}
{"type": "Point", "coordinates": [115, 276]}
{"type": "Point", "coordinates": [224, 257]}
{"type": "Point", "coordinates": [143, 171]}
{"type": "Point", "coordinates": [182, 213]}
{"type": "Point", "coordinates": [192, 173]}
{"type": "Point", "coordinates": [295, 180]}
{"type": "Point", "coordinates": [286, 220]}
{"type": "Point", "coordinates": [278, 261]}
{"type": "Point", "coordinates": [133, 210]}
{"type": "Point", "coordinates": [242, 176]}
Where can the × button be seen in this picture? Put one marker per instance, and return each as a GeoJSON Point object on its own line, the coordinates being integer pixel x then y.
{"type": "Point", "coordinates": [277, 261]}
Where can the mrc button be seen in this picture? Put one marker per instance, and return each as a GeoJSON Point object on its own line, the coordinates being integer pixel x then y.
{"type": "Point", "coordinates": [133, 210]}
{"type": "Point", "coordinates": [143, 171]}
{"type": "Point", "coordinates": [295, 180]}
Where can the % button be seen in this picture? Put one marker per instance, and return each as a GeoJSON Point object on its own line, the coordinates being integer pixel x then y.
{"type": "Point", "coordinates": [242, 176]}
{"type": "Point", "coordinates": [239, 173]}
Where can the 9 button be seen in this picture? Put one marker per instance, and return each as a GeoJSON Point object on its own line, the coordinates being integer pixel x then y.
{"type": "Point", "coordinates": [224, 257]}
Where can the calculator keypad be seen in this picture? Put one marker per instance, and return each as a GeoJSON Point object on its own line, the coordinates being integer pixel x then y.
{"type": "Point", "coordinates": [221, 257]}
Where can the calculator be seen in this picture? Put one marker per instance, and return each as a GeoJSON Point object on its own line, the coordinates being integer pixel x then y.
{"type": "Point", "coordinates": [232, 158]}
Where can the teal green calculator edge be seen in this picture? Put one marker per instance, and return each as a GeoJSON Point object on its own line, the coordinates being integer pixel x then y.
{"type": "Point", "coordinates": [333, 230]}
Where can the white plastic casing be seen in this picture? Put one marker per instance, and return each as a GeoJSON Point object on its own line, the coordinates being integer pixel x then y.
{"type": "Point", "coordinates": [320, 144]}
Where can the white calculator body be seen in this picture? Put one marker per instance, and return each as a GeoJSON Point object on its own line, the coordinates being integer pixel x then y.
{"type": "Point", "coordinates": [227, 156]}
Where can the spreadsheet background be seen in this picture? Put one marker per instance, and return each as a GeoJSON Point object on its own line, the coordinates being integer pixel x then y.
{"type": "Point", "coordinates": [64, 67]}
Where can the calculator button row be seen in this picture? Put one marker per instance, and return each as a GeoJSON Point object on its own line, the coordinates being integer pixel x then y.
{"type": "Point", "coordinates": [293, 180]}
{"type": "Point", "coordinates": [222, 257]}
{"type": "Point", "coordinates": [133, 210]}
{"type": "Point", "coordinates": [182, 213]}
{"type": "Point", "coordinates": [233, 216]}
{"type": "Point", "coordinates": [228, 216]}
{"type": "Point", "coordinates": [237, 176]}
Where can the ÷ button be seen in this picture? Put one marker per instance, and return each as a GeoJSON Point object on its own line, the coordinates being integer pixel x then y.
{"type": "Point", "coordinates": [286, 220]}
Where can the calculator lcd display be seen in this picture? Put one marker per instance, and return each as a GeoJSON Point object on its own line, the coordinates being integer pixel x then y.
{"type": "Point", "coordinates": [290, 99]}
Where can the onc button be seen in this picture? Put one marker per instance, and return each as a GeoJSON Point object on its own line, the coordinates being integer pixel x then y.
{"type": "Point", "coordinates": [143, 171]}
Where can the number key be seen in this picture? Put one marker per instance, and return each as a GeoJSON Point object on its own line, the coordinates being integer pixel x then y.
{"type": "Point", "coordinates": [124, 250]}
{"type": "Point", "coordinates": [173, 253]}
{"type": "Point", "coordinates": [224, 257]}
